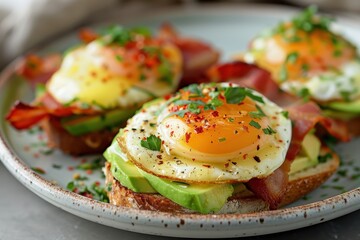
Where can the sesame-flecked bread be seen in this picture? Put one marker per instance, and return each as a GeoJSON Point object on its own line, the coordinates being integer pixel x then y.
{"type": "Point", "coordinates": [300, 184]}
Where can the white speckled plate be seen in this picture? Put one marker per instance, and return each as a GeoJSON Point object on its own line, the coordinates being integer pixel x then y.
{"type": "Point", "coordinates": [229, 28]}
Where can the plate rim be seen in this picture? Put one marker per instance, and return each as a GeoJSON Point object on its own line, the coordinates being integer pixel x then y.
{"type": "Point", "coordinates": [345, 202]}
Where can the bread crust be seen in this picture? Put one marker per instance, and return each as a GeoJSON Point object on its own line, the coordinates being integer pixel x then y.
{"type": "Point", "coordinates": [90, 143]}
{"type": "Point", "coordinates": [245, 202]}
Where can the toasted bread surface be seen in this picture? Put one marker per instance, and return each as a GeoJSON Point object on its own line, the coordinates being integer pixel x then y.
{"type": "Point", "coordinates": [90, 143]}
{"type": "Point", "coordinates": [300, 184]}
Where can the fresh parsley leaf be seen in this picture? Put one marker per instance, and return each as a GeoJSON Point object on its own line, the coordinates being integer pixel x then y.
{"type": "Point", "coordinates": [285, 114]}
{"type": "Point", "coordinates": [194, 108]}
{"type": "Point", "coordinates": [304, 93]}
{"type": "Point", "coordinates": [258, 114]}
{"type": "Point", "coordinates": [324, 158]}
{"type": "Point", "coordinates": [269, 130]}
{"type": "Point", "coordinates": [195, 89]}
{"type": "Point", "coordinates": [292, 57]}
{"type": "Point", "coordinates": [152, 143]}
{"type": "Point", "coordinates": [222, 139]}
{"type": "Point", "coordinates": [234, 95]}
{"type": "Point", "coordinates": [255, 124]}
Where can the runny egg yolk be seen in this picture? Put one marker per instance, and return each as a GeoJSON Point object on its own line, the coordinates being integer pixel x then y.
{"type": "Point", "coordinates": [227, 129]}
{"type": "Point", "coordinates": [304, 54]}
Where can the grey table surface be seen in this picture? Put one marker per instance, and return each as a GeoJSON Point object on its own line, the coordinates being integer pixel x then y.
{"type": "Point", "coordinates": [25, 216]}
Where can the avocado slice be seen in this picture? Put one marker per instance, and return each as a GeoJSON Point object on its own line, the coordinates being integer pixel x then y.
{"type": "Point", "coordinates": [348, 107]}
{"type": "Point", "coordinates": [126, 172]}
{"type": "Point", "coordinates": [204, 198]}
{"type": "Point", "coordinates": [79, 125]}
{"type": "Point", "coordinates": [309, 155]}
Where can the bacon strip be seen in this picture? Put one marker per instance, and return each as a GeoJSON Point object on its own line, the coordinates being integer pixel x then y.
{"type": "Point", "coordinates": [251, 76]}
{"type": "Point", "coordinates": [38, 69]}
{"type": "Point", "coordinates": [23, 116]}
{"type": "Point", "coordinates": [272, 188]}
{"type": "Point", "coordinates": [198, 56]}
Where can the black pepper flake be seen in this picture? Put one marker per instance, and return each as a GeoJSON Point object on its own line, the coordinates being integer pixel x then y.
{"type": "Point", "coordinates": [142, 130]}
{"type": "Point", "coordinates": [159, 156]}
{"type": "Point", "coordinates": [133, 129]}
{"type": "Point", "coordinates": [226, 165]}
{"type": "Point", "coordinates": [206, 165]}
{"type": "Point", "coordinates": [258, 136]}
{"type": "Point", "coordinates": [257, 159]}
{"type": "Point", "coordinates": [258, 147]}
{"type": "Point", "coordinates": [234, 163]}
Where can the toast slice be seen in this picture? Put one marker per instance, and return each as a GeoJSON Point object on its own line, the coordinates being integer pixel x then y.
{"type": "Point", "coordinates": [300, 184]}
{"type": "Point", "coordinates": [90, 143]}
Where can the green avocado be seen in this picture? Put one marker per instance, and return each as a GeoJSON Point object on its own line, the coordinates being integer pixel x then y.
{"type": "Point", "coordinates": [347, 107]}
{"type": "Point", "coordinates": [309, 154]}
{"type": "Point", "coordinates": [203, 198]}
{"type": "Point", "coordinates": [79, 125]}
{"type": "Point", "coordinates": [126, 172]}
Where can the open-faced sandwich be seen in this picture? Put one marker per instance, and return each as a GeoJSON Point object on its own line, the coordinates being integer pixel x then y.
{"type": "Point", "coordinates": [101, 83]}
{"type": "Point", "coordinates": [308, 59]}
{"type": "Point", "coordinates": [218, 148]}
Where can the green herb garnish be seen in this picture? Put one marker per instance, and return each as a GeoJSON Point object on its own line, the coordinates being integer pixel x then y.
{"type": "Point", "coordinates": [255, 124]}
{"type": "Point", "coordinates": [152, 143]}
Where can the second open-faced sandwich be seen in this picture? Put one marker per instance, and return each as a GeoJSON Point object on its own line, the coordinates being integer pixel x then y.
{"type": "Point", "coordinates": [309, 59]}
{"type": "Point", "coordinates": [218, 148]}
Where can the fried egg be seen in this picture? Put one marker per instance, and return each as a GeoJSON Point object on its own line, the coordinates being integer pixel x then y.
{"type": "Point", "coordinates": [117, 74]}
{"type": "Point", "coordinates": [209, 133]}
{"type": "Point", "coordinates": [306, 58]}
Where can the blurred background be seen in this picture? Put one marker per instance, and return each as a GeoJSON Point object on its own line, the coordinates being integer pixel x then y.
{"type": "Point", "coordinates": [25, 24]}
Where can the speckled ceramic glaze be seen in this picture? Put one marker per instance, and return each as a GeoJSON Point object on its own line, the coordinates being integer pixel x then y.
{"type": "Point", "coordinates": [230, 29]}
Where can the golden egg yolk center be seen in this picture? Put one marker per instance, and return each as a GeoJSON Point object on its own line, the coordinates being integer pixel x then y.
{"type": "Point", "coordinates": [227, 129]}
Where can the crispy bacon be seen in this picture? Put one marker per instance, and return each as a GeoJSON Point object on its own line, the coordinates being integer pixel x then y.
{"type": "Point", "coordinates": [252, 76]}
{"type": "Point", "coordinates": [38, 69]}
{"type": "Point", "coordinates": [23, 116]}
{"type": "Point", "coordinates": [198, 55]}
{"type": "Point", "coordinates": [272, 188]}
{"type": "Point", "coordinates": [305, 117]}
{"type": "Point", "coordinates": [87, 35]}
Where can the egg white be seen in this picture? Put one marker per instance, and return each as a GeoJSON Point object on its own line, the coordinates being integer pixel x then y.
{"type": "Point", "coordinates": [330, 85]}
{"type": "Point", "coordinates": [177, 162]}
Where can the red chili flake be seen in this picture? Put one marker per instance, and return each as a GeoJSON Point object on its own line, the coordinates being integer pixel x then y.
{"type": "Point", "coordinates": [97, 183]}
{"type": "Point", "coordinates": [187, 137]}
{"type": "Point", "coordinates": [89, 171]}
{"type": "Point", "coordinates": [88, 195]}
{"type": "Point", "coordinates": [226, 165]}
{"type": "Point", "coordinates": [167, 97]}
{"type": "Point", "coordinates": [159, 156]}
{"type": "Point", "coordinates": [207, 165]}
{"type": "Point", "coordinates": [26, 148]}
{"type": "Point", "coordinates": [36, 155]}
{"type": "Point", "coordinates": [221, 96]}
{"type": "Point", "coordinates": [245, 155]}
{"type": "Point", "coordinates": [199, 130]}
{"type": "Point", "coordinates": [70, 168]}
{"type": "Point", "coordinates": [274, 117]}
{"type": "Point", "coordinates": [280, 141]}
{"type": "Point", "coordinates": [162, 142]}
{"type": "Point", "coordinates": [245, 128]}
{"type": "Point", "coordinates": [171, 133]}
{"type": "Point", "coordinates": [83, 160]}
{"type": "Point", "coordinates": [257, 159]}
{"type": "Point", "coordinates": [215, 113]}
{"type": "Point", "coordinates": [167, 125]}
{"type": "Point", "coordinates": [193, 159]}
